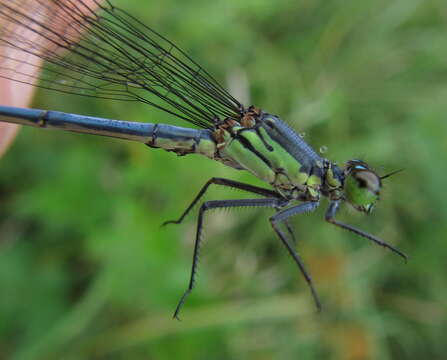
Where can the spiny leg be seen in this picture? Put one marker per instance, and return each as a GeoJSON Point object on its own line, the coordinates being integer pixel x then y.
{"type": "Point", "coordinates": [224, 182]}
{"type": "Point", "coordinates": [282, 217]}
{"type": "Point", "coordinates": [290, 231]}
{"type": "Point", "coordinates": [216, 204]}
{"type": "Point", "coordinates": [330, 217]}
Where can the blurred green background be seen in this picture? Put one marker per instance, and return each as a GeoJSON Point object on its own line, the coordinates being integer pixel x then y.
{"type": "Point", "coordinates": [86, 271]}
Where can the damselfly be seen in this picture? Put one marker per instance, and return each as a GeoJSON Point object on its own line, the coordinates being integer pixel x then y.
{"type": "Point", "coordinates": [107, 53]}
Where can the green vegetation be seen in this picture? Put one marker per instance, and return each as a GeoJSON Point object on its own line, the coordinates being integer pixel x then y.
{"type": "Point", "coordinates": [86, 271]}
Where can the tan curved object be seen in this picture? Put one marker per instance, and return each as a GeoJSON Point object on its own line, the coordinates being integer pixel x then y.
{"type": "Point", "coordinates": [14, 93]}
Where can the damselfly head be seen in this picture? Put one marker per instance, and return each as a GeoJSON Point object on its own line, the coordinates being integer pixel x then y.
{"type": "Point", "coordinates": [362, 186]}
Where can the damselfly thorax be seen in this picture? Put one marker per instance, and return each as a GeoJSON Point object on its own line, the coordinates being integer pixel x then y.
{"type": "Point", "coordinates": [260, 143]}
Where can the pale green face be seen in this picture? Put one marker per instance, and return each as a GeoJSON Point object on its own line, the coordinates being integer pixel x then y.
{"type": "Point", "coordinates": [362, 186]}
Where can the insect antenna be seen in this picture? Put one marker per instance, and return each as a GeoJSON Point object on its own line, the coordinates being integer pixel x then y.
{"type": "Point", "coordinates": [391, 174]}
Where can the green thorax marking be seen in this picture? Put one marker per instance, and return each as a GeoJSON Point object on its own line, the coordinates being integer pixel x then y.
{"type": "Point", "coordinates": [254, 149]}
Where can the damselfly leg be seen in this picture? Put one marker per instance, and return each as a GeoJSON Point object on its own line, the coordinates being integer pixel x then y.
{"type": "Point", "coordinates": [210, 205]}
{"type": "Point", "coordinates": [228, 183]}
{"type": "Point", "coordinates": [282, 217]}
{"type": "Point", "coordinates": [290, 231]}
{"type": "Point", "coordinates": [330, 217]}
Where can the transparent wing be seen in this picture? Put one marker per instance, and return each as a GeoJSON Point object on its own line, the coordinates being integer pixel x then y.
{"type": "Point", "coordinates": [107, 54]}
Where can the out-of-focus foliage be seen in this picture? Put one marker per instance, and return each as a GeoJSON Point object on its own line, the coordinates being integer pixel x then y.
{"type": "Point", "coordinates": [86, 271]}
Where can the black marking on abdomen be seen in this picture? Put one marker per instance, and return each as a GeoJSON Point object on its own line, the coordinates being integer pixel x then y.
{"type": "Point", "coordinates": [153, 137]}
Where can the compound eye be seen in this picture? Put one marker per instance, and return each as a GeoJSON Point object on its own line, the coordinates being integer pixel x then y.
{"type": "Point", "coordinates": [368, 180]}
